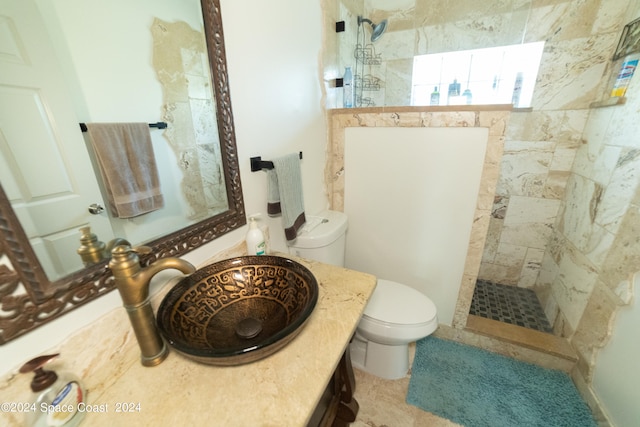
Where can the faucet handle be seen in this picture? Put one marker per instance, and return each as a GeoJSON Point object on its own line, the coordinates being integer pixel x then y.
{"type": "Point", "coordinates": [124, 250]}
{"type": "Point", "coordinates": [141, 250]}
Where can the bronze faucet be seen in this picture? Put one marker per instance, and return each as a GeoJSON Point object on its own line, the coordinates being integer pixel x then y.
{"type": "Point", "coordinates": [92, 251]}
{"type": "Point", "coordinates": [133, 284]}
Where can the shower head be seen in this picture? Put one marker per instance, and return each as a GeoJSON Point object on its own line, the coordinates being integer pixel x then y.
{"type": "Point", "coordinates": [376, 29]}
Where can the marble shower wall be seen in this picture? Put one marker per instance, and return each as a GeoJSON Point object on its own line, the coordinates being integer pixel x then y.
{"type": "Point", "coordinates": [539, 150]}
{"type": "Point", "coordinates": [579, 34]}
{"type": "Point", "coordinates": [567, 234]}
{"type": "Point", "coordinates": [542, 142]}
{"type": "Point", "coordinates": [595, 245]}
{"type": "Point", "coordinates": [181, 65]}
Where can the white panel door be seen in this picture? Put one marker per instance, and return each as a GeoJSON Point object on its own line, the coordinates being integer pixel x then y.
{"type": "Point", "coordinates": [44, 167]}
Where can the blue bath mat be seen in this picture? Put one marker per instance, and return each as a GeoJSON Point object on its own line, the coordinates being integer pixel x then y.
{"type": "Point", "coordinates": [476, 388]}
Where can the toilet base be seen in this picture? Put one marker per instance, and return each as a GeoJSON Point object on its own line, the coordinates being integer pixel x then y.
{"type": "Point", "coordinates": [390, 362]}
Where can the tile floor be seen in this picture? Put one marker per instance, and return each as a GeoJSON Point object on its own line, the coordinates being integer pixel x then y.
{"type": "Point", "coordinates": [382, 404]}
{"type": "Point", "coordinates": [509, 304]}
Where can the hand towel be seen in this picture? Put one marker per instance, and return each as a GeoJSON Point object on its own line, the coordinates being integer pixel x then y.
{"type": "Point", "coordinates": [128, 167]}
{"type": "Point", "coordinates": [285, 193]}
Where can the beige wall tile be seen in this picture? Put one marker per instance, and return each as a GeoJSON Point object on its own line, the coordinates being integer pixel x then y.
{"type": "Point", "coordinates": [420, 117]}
{"type": "Point", "coordinates": [594, 329]}
{"type": "Point", "coordinates": [582, 162]}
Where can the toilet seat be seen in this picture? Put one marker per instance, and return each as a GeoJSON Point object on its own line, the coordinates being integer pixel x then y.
{"type": "Point", "coordinates": [397, 304]}
{"type": "Point", "coordinates": [395, 316]}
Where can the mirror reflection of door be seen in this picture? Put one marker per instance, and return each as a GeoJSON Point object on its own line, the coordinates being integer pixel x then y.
{"type": "Point", "coordinates": [51, 184]}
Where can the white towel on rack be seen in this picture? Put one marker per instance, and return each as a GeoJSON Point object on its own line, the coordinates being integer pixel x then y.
{"type": "Point", "coordinates": [285, 193]}
{"type": "Point", "coordinates": [128, 167]}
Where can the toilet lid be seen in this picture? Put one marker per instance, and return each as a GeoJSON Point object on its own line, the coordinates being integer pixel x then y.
{"type": "Point", "coordinates": [393, 302]}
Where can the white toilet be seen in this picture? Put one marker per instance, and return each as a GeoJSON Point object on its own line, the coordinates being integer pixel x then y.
{"type": "Point", "coordinates": [396, 314]}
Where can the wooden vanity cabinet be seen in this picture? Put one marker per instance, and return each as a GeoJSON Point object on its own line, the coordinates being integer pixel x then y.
{"type": "Point", "coordinates": [337, 406]}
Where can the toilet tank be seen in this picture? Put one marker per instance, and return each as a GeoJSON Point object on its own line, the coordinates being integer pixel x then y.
{"type": "Point", "coordinates": [322, 238]}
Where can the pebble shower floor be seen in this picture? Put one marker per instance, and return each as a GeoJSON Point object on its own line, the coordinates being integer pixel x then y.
{"type": "Point", "coordinates": [509, 304]}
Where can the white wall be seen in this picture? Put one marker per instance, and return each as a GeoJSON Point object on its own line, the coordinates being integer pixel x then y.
{"type": "Point", "coordinates": [111, 77]}
{"type": "Point", "coordinates": [411, 194]}
{"type": "Point", "coordinates": [273, 50]}
{"type": "Point", "coordinates": [617, 372]}
{"type": "Point", "coordinates": [276, 100]}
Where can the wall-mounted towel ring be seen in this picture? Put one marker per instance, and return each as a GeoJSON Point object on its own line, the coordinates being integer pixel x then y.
{"type": "Point", "coordinates": [258, 164]}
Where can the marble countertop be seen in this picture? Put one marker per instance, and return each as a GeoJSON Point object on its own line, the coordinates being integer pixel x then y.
{"type": "Point", "coordinates": [281, 390]}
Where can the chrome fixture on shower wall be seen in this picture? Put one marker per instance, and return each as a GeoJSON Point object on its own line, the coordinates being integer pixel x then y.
{"type": "Point", "coordinates": [376, 29]}
{"type": "Point", "coordinates": [367, 62]}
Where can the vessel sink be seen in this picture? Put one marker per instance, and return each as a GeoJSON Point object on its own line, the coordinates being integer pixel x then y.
{"type": "Point", "coordinates": [238, 310]}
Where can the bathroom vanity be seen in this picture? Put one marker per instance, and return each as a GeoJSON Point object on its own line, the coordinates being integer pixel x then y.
{"type": "Point", "coordinates": [308, 382]}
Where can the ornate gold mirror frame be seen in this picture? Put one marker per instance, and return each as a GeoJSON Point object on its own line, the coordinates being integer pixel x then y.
{"type": "Point", "coordinates": [28, 299]}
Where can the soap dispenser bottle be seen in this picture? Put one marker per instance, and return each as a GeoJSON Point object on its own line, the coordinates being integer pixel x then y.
{"type": "Point", "coordinates": [91, 250]}
{"type": "Point", "coordinates": [57, 398]}
{"type": "Point", "coordinates": [255, 239]}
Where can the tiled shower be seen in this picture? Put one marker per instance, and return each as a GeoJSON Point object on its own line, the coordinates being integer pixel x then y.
{"type": "Point", "coordinates": [509, 304]}
{"type": "Point", "coordinates": [531, 242]}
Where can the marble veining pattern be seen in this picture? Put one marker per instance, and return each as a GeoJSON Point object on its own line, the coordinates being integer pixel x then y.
{"type": "Point", "coordinates": [181, 65]}
{"type": "Point", "coordinates": [281, 390]}
{"type": "Point", "coordinates": [596, 246]}
{"type": "Point", "coordinates": [495, 118]}
{"type": "Point", "coordinates": [580, 159]}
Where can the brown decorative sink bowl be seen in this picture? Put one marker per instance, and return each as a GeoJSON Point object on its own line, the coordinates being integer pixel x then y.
{"type": "Point", "coordinates": [238, 310]}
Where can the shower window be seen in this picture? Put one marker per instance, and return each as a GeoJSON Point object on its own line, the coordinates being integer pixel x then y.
{"type": "Point", "coordinates": [499, 75]}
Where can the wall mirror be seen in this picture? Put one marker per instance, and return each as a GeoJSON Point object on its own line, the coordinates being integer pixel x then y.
{"type": "Point", "coordinates": [30, 295]}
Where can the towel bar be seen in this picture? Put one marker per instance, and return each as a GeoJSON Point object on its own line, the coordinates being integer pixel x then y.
{"type": "Point", "coordinates": [258, 164]}
{"type": "Point", "coordinates": [159, 125]}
